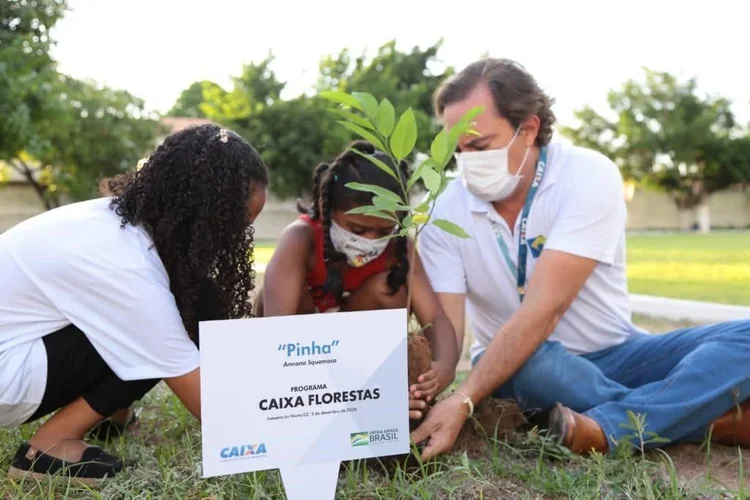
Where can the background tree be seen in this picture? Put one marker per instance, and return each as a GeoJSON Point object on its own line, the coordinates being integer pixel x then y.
{"type": "Point", "coordinates": [664, 135]}
{"type": "Point", "coordinates": [190, 100]}
{"type": "Point", "coordinates": [27, 72]}
{"type": "Point", "coordinates": [60, 134]}
{"type": "Point", "coordinates": [406, 79]}
{"type": "Point", "coordinates": [97, 132]}
{"type": "Point", "coordinates": [295, 134]}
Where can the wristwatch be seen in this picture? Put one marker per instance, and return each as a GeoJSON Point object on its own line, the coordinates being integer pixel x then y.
{"type": "Point", "coordinates": [466, 399]}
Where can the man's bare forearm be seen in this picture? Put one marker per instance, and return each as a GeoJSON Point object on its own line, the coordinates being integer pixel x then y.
{"type": "Point", "coordinates": [516, 341]}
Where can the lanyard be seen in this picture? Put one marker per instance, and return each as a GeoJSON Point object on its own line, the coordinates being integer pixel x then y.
{"type": "Point", "coordinates": [520, 270]}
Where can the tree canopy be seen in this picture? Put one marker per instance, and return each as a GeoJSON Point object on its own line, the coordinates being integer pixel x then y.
{"type": "Point", "coordinates": [664, 135]}
{"type": "Point", "coordinates": [295, 134]}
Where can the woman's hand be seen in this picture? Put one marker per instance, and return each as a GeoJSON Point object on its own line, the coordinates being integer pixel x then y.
{"type": "Point", "coordinates": [433, 382]}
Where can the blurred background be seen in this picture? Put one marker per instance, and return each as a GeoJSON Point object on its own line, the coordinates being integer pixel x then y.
{"type": "Point", "coordinates": [88, 87]}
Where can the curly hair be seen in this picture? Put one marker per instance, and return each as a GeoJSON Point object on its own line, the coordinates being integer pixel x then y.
{"type": "Point", "coordinates": [192, 195]}
{"type": "Point", "coordinates": [516, 94]}
{"type": "Point", "coordinates": [329, 193]}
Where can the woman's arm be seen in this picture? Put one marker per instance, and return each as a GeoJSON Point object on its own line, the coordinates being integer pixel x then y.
{"type": "Point", "coordinates": [440, 332]}
{"type": "Point", "coordinates": [285, 274]}
{"type": "Point", "coordinates": [187, 388]}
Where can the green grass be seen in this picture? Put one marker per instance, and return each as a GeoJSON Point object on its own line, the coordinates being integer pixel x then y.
{"type": "Point", "coordinates": [263, 251]}
{"type": "Point", "coordinates": [165, 447]}
{"type": "Point", "coordinates": [714, 267]}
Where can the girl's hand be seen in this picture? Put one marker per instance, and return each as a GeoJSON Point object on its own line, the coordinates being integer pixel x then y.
{"type": "Point", "coordinates": [417, 407]}
{"type": "Point", "coordinates": [433, 382]}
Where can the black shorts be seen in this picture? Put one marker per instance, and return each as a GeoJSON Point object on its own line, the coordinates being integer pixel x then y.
{"type": "Point", "coordinates": [75, 369]}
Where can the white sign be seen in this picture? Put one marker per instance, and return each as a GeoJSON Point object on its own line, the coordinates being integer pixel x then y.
{"type": "Point", "coordinates": [301, 393]}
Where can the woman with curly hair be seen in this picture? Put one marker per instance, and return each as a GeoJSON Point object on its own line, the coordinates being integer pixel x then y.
{"type": "Point", "coordinates": [330, 260]}
{"type": "Point", "coordinates": [100, 300]}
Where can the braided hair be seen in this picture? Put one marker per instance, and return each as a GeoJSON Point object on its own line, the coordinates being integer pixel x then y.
{"type": "Point", "coordinates": [329, 193]}
{"type": "Point", "coordinates": [192, 197]}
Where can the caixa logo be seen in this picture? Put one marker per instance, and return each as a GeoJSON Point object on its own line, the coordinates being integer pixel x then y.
{"type": "Point", "coordinates": [294, 350]}
{"type": "Point", "coordinates": [243, 451]}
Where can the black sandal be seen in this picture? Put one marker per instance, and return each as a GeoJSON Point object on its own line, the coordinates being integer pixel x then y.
{"type": "Point", "coordinates": [94, 466]}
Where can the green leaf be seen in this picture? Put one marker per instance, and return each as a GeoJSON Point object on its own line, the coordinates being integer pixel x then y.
{"type": "Point", "coordinates": [464, 126]}
{"type": "Point", "coordinates": [368, 102]}
{"type": "Point", "coordinates": [417, 174]}
{"type": "Point", "coordinates": [371, 211]}
{"type": "Point", "coordinates": [353, 117]}
{"type": "Point", "coordinates": [371, 188]}
{"type": "Point", "coordinates": [470, 115]}
{"type": "Point", "coordinates": [364, 209]}
{"type": "Point", "coordinates": [439, 148]}
{"type": "Point", "coordinates": [386, 117]}
{"type": "Point", "coordinates": [386, 204]}
{"type": "Point", "coordinates": [404, 136]}
{"type": "Point", "coordinates": [451, 228]}
{"type": "Point", "coordinates": [364, 133]}
{"type": "Point", "coordinates": [378, 162]}
{"type": "Point", "coordinates": [423, 207]}
{"type": "Point", "coordinates": [340, 97]}
{"type": "Point", "coordinates": [431, 179]}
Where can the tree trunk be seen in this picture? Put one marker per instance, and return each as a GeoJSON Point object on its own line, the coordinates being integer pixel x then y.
{"type": "Point", "coordinates": [704, 216]}
{"type": "Point", "coordinates": [686, 218]}
{"type": "Point", "coordinates": [41, 190]}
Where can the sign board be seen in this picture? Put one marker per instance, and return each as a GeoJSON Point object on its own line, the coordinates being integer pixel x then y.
{"type": "Point", "coordinates": [302, 393]}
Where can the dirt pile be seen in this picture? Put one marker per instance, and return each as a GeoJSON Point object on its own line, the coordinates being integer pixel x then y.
{"type": "Point", "coordinates": [492, 419]}
{"type": "Point", "coordinates": [419, 355]}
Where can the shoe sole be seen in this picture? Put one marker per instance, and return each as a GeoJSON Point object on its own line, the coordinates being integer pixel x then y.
{"type": "Point", "coordinates": [25, 474]}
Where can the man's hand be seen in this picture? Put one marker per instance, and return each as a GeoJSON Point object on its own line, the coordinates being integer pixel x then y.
{"type": "Point", "coordinates": [441, 427]}
{"type": "Point", "coordinates": [434, 381]}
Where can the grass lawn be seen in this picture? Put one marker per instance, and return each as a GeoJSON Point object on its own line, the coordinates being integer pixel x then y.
{"type": "Point", "coordinates": [713, 268]}
{"type": "Point", "coordinates": [263, 251]}
{"type": "Point", "coordinates": [166, 449]}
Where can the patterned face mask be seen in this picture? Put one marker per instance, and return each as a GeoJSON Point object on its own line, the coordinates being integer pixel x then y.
{"type": "Point", "coordinates": [358, 250]}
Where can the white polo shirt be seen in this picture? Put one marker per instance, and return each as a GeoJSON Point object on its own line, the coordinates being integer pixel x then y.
{"type": "Point", "coordinates": [579, 208]}
{"type": "Point", "coordinates": [76, 265]}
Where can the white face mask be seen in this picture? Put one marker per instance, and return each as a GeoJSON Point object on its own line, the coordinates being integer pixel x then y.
{"type": "Point", "coordinates": [485, 174]}
{"type": "Point", "coordinates": [358, 250]}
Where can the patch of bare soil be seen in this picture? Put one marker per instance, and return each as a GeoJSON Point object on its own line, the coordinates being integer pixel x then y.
{"type": "Point", "coordinates": [696, 468]}
{"type": "Point", "coordinates": [492, 419]}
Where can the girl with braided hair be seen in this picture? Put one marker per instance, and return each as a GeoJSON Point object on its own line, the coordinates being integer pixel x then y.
{"type": "Point", "coordinates": [329, 260]}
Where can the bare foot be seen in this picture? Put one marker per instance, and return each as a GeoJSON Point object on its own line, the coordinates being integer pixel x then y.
{"type": "Point", "coordinates": [69, 450]}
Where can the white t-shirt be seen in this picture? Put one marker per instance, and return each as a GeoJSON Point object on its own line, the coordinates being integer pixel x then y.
{"type": "Point", "coordinates": [76, 265]}
{"type": "Point", "coordinates": [579, 208]}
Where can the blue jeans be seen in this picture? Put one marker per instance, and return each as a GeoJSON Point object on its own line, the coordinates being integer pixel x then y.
{"type": "Point", "coordinates": [679, 381]}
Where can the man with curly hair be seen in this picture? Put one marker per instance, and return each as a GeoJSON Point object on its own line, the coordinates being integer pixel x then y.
{"type": "Point", "coordinates": [100, 300]}
{"type": "Point", "coordinates": [544, 286]}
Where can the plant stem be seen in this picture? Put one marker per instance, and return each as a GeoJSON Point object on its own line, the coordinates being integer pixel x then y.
{"type": "Point", "coordinates": [412, 259]}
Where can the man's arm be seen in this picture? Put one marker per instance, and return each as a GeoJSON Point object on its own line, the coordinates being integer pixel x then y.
{"type": "Point", "coordinates": [556, 281]}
